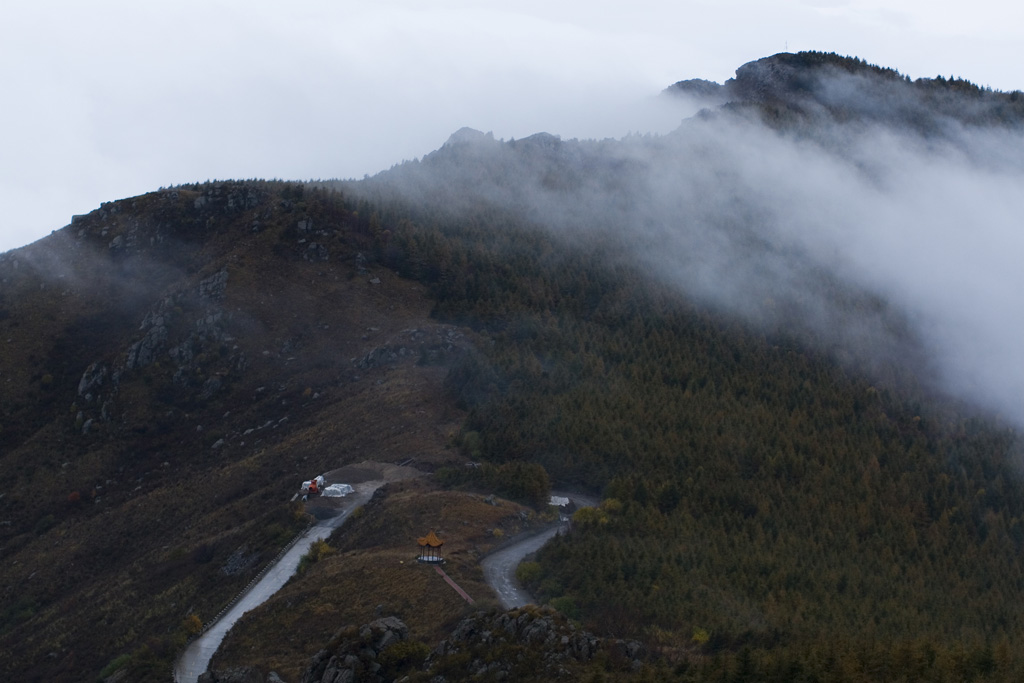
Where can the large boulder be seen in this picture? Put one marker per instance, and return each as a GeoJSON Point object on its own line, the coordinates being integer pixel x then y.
{"type": "Point", "coordinates": [354, 656]}
{"type": "Point", "coordinates": [245, 674]}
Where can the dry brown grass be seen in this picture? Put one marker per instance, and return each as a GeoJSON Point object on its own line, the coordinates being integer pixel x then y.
{"type": "Point", "coordinates": [375, 573]}
{"type": "Point", "coordinates": [88, 581]}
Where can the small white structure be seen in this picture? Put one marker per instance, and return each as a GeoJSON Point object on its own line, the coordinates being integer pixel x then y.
{"type": "Point", "coordinates": [559, 501]}
{"type": "Point", "coordinates": [337, 491]}
{"type": "Point", "coordinates": [313, 486]}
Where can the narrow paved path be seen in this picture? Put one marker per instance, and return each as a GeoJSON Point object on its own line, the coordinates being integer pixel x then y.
{"type": "Point", "coordinates": [500, 567]}
{"type": "Point", "coordinates": [196, 657]}
{"type": "Point", "coordinates": [451, 582]}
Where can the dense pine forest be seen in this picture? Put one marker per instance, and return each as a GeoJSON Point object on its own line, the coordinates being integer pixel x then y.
{"type": "Point", "coordinates": [763, 506]}
{"type": "Point", "coordinates": [779, 502]}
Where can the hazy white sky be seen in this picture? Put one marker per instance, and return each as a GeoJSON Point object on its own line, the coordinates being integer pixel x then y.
{"type": "Point", "coordinates": [108, 99]}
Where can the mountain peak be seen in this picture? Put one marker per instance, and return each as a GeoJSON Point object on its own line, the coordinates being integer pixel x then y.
{"type": "Point", "coordinates": [816, 83]}
{"type": "Point", "coordinates": [786, 73]}
{"type": "Point", "coordinates": [468, 136]}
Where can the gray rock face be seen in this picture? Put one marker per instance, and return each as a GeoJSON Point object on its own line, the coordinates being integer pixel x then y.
{"type": "Point", "coordinates": [709, 91]}
{"type": "Point", "coordinates": [210, 387]}
{"type": "Point", "coordinates": [227, 197]}
{"type": "Point", "coordinates": [469, 136]}
{"type": "Point", "coordinates": [355, 657]}
{"type": "Point", "coordinates": [238, 675]}
{"type": "Point", "coordinates": [213, 287]}
{"type": "Point", "coordinates": [432, 346]}
{"type": "Point", "coordinates": [92, 380]}
{"type": "Point", "coordinates": [527, 642]}
{"type": "Point", "coordinates": [144, 352]}
{"type": "Point", "coordinates": [535, 639]}
{"type": "Point", "coordinates": [316, 252]}
{"type": "Point", "coordinates": [189, 348]}
{"type": "Point", "coordinates": [768, 78]}
{"type": "Point", "coordinates": [390, 629]}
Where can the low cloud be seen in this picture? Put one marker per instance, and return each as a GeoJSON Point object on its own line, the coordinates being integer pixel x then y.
{"type": "Point", "coordinates": [931, 226]}
{"type": "Point", "coordinates": [883, 242]}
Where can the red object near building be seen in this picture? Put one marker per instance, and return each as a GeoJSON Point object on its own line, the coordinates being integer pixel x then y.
{"type": "Point", "coordinates": [313, 487]}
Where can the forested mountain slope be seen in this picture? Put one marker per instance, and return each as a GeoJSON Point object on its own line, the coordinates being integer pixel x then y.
{"type": "Point", "coordinates": [794, 482]}
{"type": "Point", "coordinates": [775, 339]}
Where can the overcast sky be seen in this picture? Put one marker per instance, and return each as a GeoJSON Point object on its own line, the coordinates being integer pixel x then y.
{"type": "Point", "coordinates": [106, 99]}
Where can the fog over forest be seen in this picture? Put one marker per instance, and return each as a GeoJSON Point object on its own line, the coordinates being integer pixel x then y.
{"type": "Point", "coordinates": [932, 228]}
{"type": "Point", "coordinates": [911, 202]}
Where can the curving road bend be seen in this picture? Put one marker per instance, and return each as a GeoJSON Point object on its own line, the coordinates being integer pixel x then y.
{"type": "Point", "coordinates": [500, 567]}
{"type": "Point", "coordinates": [196, 657]}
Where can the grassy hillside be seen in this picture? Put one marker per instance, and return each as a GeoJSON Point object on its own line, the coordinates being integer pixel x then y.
{"type": "Point", "coordinates": [371, 570]}
{"type": "Point", "coordinates": [224, 360]}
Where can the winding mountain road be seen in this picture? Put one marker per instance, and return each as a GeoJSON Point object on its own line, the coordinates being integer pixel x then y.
{"type": "Point", "coordinates": [499, 572]}
{"type": "Point", "coordinates": [500, 567]}
{"type": "Point", "coordinates": [196, 657]}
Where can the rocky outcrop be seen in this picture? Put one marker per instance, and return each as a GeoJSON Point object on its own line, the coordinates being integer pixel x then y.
{"type": "Point", "coordinates": [200, 359]}
{"type": "Point", "coordinates": [212, 288]}
{"type": "Point", "coordinates": [229, 197]}
{"type": "Point", "coordinates": [240, 561]}
{"type": "Point", "coordinates": [434, 346]}
{"type": "Point", "coordinates": [237, 675]}
{"type": "Point", "coordinates": [92, 380]}
{"type": "Point", "coordinates": [356, 654]}
{"type": "Point", "coordinates": [144, 352]}
{"type": "Point", "coordinates": [528, 644]}
{"type": "Point", "coordinates": [468, 136]}
{"type": "Point", "coordinates": [315, 252]}
{"type": "Point", "coordinates": [709, 92]}
{"type": "Point", "coordinates": [244, 674]}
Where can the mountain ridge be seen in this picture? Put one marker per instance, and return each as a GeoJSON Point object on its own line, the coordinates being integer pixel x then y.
{"type": "Point", "coordinates": [848, 88]}
{"type": "Point", "coordinates": [780, 466]}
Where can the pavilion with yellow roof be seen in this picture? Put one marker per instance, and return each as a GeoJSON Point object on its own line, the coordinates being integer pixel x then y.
{"type": "Point", "coordinates": [430, 548]}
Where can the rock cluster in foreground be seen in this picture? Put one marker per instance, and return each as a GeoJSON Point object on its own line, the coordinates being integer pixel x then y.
{"type": "Point", "coordinates": [526, 644]}
{"type": "Point", "coordinates": [521, 644]}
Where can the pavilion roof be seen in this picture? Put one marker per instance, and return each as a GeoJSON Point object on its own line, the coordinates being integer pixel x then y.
{"type": "Point", "coordinates": [432, 540]}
